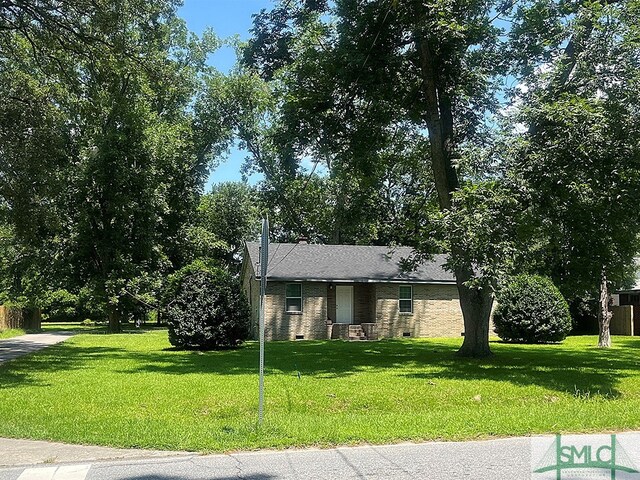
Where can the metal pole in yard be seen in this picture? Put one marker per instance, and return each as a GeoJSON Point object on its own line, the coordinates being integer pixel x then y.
{"type": "Point", "coordinates": [264, 259]}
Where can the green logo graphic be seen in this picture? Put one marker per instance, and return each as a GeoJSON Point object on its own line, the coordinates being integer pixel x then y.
{"type": "Point", "coordinates": [609, 457]}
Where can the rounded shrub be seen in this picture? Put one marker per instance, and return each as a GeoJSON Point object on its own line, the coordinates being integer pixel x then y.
{"type": "Point", "coordinates": [206, 309]}
{"type": "Point", "coordinates": [531, 309]}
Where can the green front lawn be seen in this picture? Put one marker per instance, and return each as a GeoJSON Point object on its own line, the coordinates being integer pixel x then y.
{"type": "Point", "coordinates": [133, 390]}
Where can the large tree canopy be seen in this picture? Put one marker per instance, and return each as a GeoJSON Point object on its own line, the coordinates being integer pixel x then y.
{"type": "Point", "coordinates": [101, 161]}
{"type": "Point", "coordinates": [319, 196]}
{"type": "Point", "coordinates": [505, 133]}
{"type": "Point", "coordinates": [579, 153]}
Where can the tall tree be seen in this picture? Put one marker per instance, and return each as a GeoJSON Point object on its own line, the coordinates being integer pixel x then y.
{"type": "Point", "coordinates": [354, 73]}
{"type": "Point", "coordinates": [315, 193]}
{"type": "Point", "coordinates": [118, 79]}
{"type": "Point", "coordinates": [36, 140]}
{"type": "Point", "coordinates": [227, 216]}
{"type": "Point", "coordinates": [579, 154]}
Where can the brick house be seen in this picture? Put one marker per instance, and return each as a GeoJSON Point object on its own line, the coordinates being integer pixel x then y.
{"type": "Point", "coordinates": [350, 291]}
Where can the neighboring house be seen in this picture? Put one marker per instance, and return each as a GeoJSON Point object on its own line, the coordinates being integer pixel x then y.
{"type": "Point", "coordinates": [342, 291]}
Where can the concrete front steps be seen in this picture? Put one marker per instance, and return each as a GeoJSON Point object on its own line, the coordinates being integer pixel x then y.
{"type": "Point", "coordinates": [356, 332]}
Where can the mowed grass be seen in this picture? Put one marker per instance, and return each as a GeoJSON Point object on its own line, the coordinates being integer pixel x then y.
{"type": "Point", "coordinates": [11, 332]}
{"type": "Point", "coordinates": [72, 326]}
{"type": "Point", "coordinates": [56, 327]}
{"type": "Point", "coordinates": [79, 327]}
{"type": "Point", "coordinates": [134, 390]}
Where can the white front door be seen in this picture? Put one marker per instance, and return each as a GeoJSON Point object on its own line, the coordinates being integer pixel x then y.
{"type": "Point", "coordinates": [344, 304]}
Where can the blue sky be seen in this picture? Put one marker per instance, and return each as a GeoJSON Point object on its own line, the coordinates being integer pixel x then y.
{"type": "Point", "coordinates": [226, 18]}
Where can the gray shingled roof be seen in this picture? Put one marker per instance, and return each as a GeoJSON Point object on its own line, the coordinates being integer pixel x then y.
{"type": "Point", "coordinates": [343, 263]}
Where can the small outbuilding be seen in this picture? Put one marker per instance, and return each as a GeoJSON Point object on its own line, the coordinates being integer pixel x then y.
{"type": "Point", "coordinates": [350, 291]}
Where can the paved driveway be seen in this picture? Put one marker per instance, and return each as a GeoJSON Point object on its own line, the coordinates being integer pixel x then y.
{"type": "Point", "coordinates": [18, 346]}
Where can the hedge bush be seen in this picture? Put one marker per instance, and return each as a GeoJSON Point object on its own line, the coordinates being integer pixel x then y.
{"type": "Point", "coordinates": [531, 309]}
{"type": "Point", "coordinates": [206, 309]}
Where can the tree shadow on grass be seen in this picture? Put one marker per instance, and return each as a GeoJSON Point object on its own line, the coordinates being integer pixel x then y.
{"type": "Point", "coordinates": [573, 369]}
{"type": "Point", "coordinates": [584, 373]}
{"type": "Point", "coordinates": [24, 370]}
{"type": "Point", "coordinates": [330, 359]}
{"type": "Point", "coordinates": [563, 368]}
{"type": "Point", "coordinates": [100, 328]}
{"type": "Point", "coordinates": [9, 378]}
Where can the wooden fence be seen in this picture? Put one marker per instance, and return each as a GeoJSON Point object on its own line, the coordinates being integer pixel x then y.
{"type": "Point", "coordinates": [622, 320]}
{"type": "Point", "coordinates": [25, 318]}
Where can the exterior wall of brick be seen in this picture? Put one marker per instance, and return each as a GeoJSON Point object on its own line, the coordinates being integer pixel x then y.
{"type": "Point", "coordinates": [363, 301]}
{"type": "Point", "coordinates": [311, 322]}
{"type": "Point", "coordinates": [331, 302]}
{"type": "Point", "coordinates": [436, 312]}
{"type": "Point", "coordinates": [251, 288]}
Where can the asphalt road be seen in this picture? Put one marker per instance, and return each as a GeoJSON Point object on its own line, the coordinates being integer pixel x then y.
{"type": "Point", "coordinates": [506, 459]}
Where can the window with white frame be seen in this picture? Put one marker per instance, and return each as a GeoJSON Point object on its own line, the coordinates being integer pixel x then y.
{"type": "Point", "coordinates": [405, 299]}
{"type": "Point", "coordinates": [293, 302]}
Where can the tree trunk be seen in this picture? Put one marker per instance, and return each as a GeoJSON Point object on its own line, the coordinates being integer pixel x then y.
{"type": "Point", "coordinates": [476, 306]}
{"type": "Point", "coordinates": [475, 303]}
{"type": "Point", "coordinates": [604, 314]}
{"type": "Point", "coordinates": [114, 319]}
